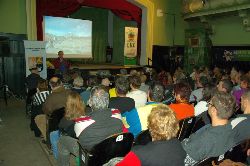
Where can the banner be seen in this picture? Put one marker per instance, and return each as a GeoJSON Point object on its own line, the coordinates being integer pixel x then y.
{"type": "Point", "coordinates": [35, 57]}
{"type": "Point", "coordinates": [130, 47]}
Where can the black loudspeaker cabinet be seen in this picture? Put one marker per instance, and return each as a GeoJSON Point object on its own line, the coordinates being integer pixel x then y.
{"type": "Point", "coordinates": [12, 62]}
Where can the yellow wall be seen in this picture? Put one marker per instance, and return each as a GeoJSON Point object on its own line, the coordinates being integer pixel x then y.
{"type": "Point", "coordinates": [13, 16]}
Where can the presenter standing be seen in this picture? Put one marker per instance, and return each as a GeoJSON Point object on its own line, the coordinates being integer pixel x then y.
{"type": "Point", "coordinates": [61, 64]}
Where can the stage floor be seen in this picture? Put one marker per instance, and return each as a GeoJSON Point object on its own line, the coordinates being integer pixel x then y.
{"type": "Point", "coordinates": [104, 66]}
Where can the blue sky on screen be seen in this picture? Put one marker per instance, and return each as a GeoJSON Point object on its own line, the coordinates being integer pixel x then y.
{"type": "Point", "coordinates": [62, 26]}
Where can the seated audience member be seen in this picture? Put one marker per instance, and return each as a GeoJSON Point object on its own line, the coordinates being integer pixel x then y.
{"type": "Point", "coordinates": [91, 82]}
{"type": "Point", "coordinates": [75, 108]}
{"type": "Point", "coordinates": [207, 94]}
{"type": "Point", "coordinates": [241, 124]}
{"type": "Point", "coordinates": [121, 102]}
{"type": "Point", "coordinates": [140, 97]}
{"type": "Point", "coordinates": [56, 100]}
{"type": "Point", "coordinates": [225, 86]}
{"type": "Point", "coordinates": [144, 87]}
{"type": "Point", "coordinates": [31, 83]}
{"type": "Point", "coordinates": [136, 119]}
{"type": "Point", "coordinates": [244, 82]}
{"type": "Point", "coordinates": [78, 84]}
{"type": "Point", "coordinates": [92, 129]}
{"type": "Point", "coordinates": [215, 139]}
{"type": "Point", "coordinates": [38, 99]}
{"type": "Point", "coordinates": [182, 107]}
{"type": "Point", "coordinates": [197, 95]}
{"type": "Point", "coordinates": [164, 149]}
{"type": "Point", "coordinates": [106, 83]}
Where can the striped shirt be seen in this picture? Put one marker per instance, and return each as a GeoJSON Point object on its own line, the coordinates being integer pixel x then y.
{"type": "Point", "coordinates": [40, 97]}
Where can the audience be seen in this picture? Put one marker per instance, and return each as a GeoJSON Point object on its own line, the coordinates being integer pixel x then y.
{"type": "Point", "coordinates": [140, 97]}
{"type": "Point", "coordinates": [225, 86]}
{"type": "Point", "coordinates": [182, 107]}
{"type": "Point", "coordinates": [101, 123]}
{"type": "Point", "coordinates": [164, 149]}
{"type": "Point", "coordinates": [215, 139]}
{"type": "Point", "coordinates": [136, 119]}
{"type": "Point", "coordinates": [78, 85]}
{"type": "Point", "coordinates": [75, 108]}
{"type": "Point", "coordinates": [121, 102]}
{"type": "Point", "coordinates": [56, 100]}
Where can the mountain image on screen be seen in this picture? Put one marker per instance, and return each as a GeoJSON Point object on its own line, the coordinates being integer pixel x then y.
{"type": "Point", "coordinates": [72, 36]}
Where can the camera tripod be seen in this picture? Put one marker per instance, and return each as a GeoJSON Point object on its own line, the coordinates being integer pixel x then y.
{"type": "Point", "coordinates": [7, 93]}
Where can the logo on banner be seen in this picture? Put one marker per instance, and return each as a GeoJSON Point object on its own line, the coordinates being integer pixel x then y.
{"type": "Point", "coordinates": [130, 48]}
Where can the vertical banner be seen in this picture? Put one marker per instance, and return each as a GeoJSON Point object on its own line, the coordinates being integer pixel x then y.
{"type": "Point", "coordinates": [35, 57]}
{"type": "Point", "coordinates": [130, 46]}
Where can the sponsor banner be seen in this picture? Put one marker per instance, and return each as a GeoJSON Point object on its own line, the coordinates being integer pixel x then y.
{"type": "Point", "coordinates": [130, 46]}
{"type": "Point", "coordinates": [35, 57]}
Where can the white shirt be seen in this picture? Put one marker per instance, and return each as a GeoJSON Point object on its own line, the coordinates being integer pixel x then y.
{"type": "Point", "coordinates": [140, 97]}
{"type": "Point", "coordinates": [200, 108]}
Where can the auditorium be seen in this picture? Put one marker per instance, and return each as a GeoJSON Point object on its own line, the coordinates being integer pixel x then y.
{"type": "Point", "coordinates": [125, 82]}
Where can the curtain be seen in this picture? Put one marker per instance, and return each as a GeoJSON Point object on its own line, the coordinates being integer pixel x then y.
{"type": "Point", "coordinates": [58, 8]}
{"type": "Point", "coordinates": [31, 19]}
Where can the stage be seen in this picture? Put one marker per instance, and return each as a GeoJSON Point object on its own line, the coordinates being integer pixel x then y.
{"type": "Point", "coordinates": [104, 66]}
{"type": "Point", "coordinates": [94, 69]}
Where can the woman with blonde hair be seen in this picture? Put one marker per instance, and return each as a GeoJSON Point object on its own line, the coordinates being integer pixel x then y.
{"type": "Point", "coordinates": [74, 109]}
{"type": "Point", "coordinates": [165, 149]}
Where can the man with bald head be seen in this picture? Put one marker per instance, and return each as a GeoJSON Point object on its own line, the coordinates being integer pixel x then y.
{"type": "Point", "coordinates": [56, 100]}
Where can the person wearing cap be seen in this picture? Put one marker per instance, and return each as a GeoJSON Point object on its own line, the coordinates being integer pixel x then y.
{"type": "Point", "coordinates": [60, 63]}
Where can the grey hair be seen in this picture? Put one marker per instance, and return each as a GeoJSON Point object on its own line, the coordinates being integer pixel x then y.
{"type": "Point", "coordinates": [99, 98]}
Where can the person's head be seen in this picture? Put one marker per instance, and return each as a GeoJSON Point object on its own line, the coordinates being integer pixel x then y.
{"type": "Point", "coordinates": [55, 82]}
{"type": "Point", "coordinates": [225, 86]}
{"type": "Point", "coordinates": [78, 82]}
{"type": "Point", "coordinates": [143, 78]}
{"type": "Point", "coordinates": [208, 92]}
{"type": "Point", "coordinates": [99, 98]}
{"type": "Point", "coordinates": [42, 85]}
{"type": "Point", "coordinates": [162, 123]}
{"type": "Point", "coordinates": [74, 106]}
{"type": "Point", "coordinates": [105, 82]}
{"type": "Point", "coordinates": [134, 81]}
{"type": "Point", "coordinates": [92, 81]}
{"type": "Point", "coordinates": [156, 92]}
{"type": "Point", "coordinates": [202, 81]}
{"type": "Point", "coordinates": [245, 102]}
{"type": "Point", "coordinates": [244, 82]}
{"type": "Point", "coordinates": [34, 70]}
{"type": "Point", "coordinates": [182, 92]}
{"type": "Point", "coordinates": [60, 54]}
{"type": "Point", "coordinates": [222, 105]}
{"type": "Point", "coordinates": [122, 86]}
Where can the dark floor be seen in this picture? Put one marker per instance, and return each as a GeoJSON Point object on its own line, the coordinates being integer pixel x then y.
{"type": "Point", "coordinates": [18, 145]}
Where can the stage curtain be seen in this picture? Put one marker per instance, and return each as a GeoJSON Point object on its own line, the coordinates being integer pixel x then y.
{"type": "Point", "coordinates": [99, 19]}
{"type": "Point", "coordinates": [31, 19]}
{"type": "Point", "coordinates": [58, 8]}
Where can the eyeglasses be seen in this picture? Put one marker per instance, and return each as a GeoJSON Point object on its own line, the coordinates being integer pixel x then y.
{"type": "Point", "coordinates": [209, 103]}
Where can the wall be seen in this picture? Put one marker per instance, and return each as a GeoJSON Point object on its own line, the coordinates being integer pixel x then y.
{"type": "Point", "coordinates": [13, 16]}
{"type": "Point", "coordinates": [229, 31]}
{"type": "Point", "coordinates": [164, 33]}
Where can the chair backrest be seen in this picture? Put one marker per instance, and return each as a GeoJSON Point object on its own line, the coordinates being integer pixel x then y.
{"type": "Point", "coordinates": [186, 126]}
{"type": "Point", "coordinates": [199, 123]}
{"type": "Point", "coordinates": [239, 152]}
{"type": "Point", "coordinates": [117, 145]}
{"type": "Point", "coordinates": [52, 123]}
{"type": "Point", "coordinates": [143, 138]}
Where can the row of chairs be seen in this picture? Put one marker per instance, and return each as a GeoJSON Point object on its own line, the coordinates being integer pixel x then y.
{"type": "Point", "coordinates": [187, 127]}
{"type": "Point", "coordinates": [237, 154]}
